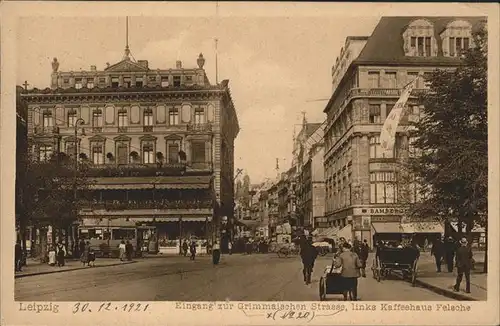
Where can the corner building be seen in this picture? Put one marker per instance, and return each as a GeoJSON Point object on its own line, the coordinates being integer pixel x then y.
{"type": "Point", "coordinates": [159, 143]}
{"type": "Point", "coordinates": [362, 189]}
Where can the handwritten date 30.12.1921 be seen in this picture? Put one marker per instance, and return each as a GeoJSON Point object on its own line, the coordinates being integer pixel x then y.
{"type": "Point", "coordinates": [108, 306]}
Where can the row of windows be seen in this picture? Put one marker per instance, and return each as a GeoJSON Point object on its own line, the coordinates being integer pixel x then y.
{"type": "Point", "coordinates": [391, 81]}
{"type": "Point", "coordinates": [383, 190]}
{"type": "Point", "coordinates": [98, 121]}
{"type": "Point", "coordinates": [147, 155]}
{"type": "Point", "coordinates": [127, 81]}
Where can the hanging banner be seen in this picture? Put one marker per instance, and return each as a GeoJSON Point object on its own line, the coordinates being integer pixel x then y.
{"type": "Point", "coordinates": [388, 133]}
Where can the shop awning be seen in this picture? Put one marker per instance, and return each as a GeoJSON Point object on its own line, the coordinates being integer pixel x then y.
{"type": "Point", "coordinates": [388, 227]}
{"type": "Point", "coordinates": [330, 233]}
{"type": "Point", "coordinates": [345, 232]}
{"type": "Point", "coordinates": [169, 182]}
{"type": "Point", "coordinates": [475, 229]}
{"type": "Point", "coordinates": [422, 227]}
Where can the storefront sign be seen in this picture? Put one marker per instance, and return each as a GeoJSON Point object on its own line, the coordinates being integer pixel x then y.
{"type": "Point", "coordinates": [389, 218]}
{"type": "Point", "coordinates": [387, 211]}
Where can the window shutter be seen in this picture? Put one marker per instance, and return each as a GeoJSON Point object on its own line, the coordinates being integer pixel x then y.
{"type": "Point", "coordinates": [35, 114]}
{"type": "Point", "coordinates": [134, 114]}
{"type": "Point", "coordinates": [160, 113]}
{"type": "Point", "coordinates": [110, 115]}
{"type": "Point", "coordinates": [186, 113]}
{"type": "Point", "coordinates": [210, 113]}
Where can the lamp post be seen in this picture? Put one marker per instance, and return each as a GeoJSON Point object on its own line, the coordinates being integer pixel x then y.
{"type": "Point", "coordinates": [75, 190]}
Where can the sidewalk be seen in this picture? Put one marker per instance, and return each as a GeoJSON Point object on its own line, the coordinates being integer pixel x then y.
{"type": "Point", "coordinates": [443, 282]}
{"type": "Point", "coordinates": [36, 268]}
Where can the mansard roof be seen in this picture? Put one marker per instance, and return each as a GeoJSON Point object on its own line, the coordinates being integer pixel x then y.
{"type": "Point", "coordinates": [385, 45]}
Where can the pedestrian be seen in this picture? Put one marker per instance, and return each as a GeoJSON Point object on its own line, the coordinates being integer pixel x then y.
{"type": "Point", "coordinates": [52, 255]}
{"type": "Point", "coordinates": [216, 253]}
{"type": "Point", "coordinates": [129, 249]}
{"type": "Point", "coordinates": [185, 248]}
{"type": "Point", "coordinates": [437, 251]}
{"type": "Point", "coordinates": [121, 248]}
{"type": "Point", "coordinates": [449, 253]}
{"type": "Point", "coordinates": [308, 254]}
{"type": "Point", "coordinates": [426, 244]}
{"type": "Point", "coordinates": [84, 258]}
{"type": "Point", "coordinates": [192, 250]}
{"type": "Point", "coordinates": [18, 256]}
{"type": "Point", "coordinates": [464, 264]}
{"type": "Point", "coordinates": [230, 247]}
{"type": "Point", "coordinates": [363, 256]}
{"type": "Point", "coordinates": [81, 246]}
{"type": "Point", "coordinates": [61, 253]}
{"type": "Point", "coordinates": [351, 266]}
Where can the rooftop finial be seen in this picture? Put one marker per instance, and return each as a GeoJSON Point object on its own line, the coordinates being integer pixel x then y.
{"type": "Point", "coordinates": [127, 49]}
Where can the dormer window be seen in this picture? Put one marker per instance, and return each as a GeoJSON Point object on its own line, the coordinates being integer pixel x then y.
{"type": "Point", "coordinates": [457, 37]}
{"type": "Point", "coordinates": [419, 39]}
{"type": "Point", "coordinates": [138, 82]}
{"type": "Point", "coordinates": [164, 81]}
{"type": "Point", "coordinates": [177, 81]}
{"type": "Point", "coordinates": [127, 82]}
{"type": "Point", "coordinates": [90, 83]}
{"type": "Point", "coordinates": [78, 83]}
{"type": "Point", "coordinates": [115, 81]}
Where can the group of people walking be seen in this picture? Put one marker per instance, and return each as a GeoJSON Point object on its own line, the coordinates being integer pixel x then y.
{"type": "Point", "coordinates": [457, 254]}
{"type": "Point", "coordinates": [215, 250]}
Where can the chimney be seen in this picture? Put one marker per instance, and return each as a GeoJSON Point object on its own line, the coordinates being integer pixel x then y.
{"type": "Point", "coordinates": [93, 68]}
{"type": "Point", "coordinates": [178, 64]}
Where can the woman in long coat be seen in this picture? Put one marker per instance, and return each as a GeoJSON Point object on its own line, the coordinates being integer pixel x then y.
{"type": "Point", "coordinates": [84, 258]}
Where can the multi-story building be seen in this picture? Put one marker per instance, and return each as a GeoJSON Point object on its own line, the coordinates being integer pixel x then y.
{"type": "Point", "coordinates": [159, 145]}
{"type": "Point", "coordinates": [21, 161]}
{"type": "Point", "coordinates": [362, 188]}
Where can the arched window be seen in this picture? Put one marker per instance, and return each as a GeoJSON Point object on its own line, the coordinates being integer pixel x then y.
{"type": "Point", "coordinates": [457, 37]}
{"type": "Point", "coordinates": [419, 40]}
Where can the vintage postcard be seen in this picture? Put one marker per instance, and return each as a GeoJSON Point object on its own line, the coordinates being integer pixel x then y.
{"type": "Point", "coordinates": [225, 163]}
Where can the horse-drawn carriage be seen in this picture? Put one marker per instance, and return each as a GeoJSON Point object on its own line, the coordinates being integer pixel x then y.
{"type": "Point", "coordinates": [388, 259]}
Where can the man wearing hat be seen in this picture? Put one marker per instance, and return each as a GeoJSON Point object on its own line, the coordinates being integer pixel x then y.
{"type": "Point", "coordinates": [464, 264]}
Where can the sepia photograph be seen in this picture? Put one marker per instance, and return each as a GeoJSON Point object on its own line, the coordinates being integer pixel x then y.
{"type": "Point", "coordinates": [252, 159]}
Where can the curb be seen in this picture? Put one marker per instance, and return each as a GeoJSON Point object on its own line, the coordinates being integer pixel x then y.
{"type": "Point", "coordinates": [444, 292]}
{"type": "Point", "coordinates": [72, 269]}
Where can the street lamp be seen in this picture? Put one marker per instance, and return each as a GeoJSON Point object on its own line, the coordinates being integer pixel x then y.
{"type": "Point", "coordinates": [76, 123]}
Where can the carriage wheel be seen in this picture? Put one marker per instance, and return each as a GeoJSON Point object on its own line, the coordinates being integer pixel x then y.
{"type": "Point", "coordinates": [322, 289]}
{"type": "Point", "coordinates": [414, 274]}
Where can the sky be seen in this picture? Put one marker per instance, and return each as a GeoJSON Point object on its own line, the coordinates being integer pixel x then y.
{"type": "Point", "coordinates": [277, 66]}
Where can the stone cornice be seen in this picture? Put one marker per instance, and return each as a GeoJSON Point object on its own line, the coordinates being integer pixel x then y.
{"type": "Point", "coordinates": [148, 95]}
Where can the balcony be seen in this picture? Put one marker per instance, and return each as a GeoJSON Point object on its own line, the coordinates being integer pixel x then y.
{"type": "Point", "coordinates": [146, 170]}
{"type": "Point", "coordinates": [147, 128]}
{"type": "Point", "coordinates": [199, 127]}
{"type": "Point", "coordinates": [122, 129]}
{"type": "Point", "coordinates": [118, 205]}
{"type": "Point", "coordinates": [96, 129]}
{"type": "Point", "coordinates": [135, 170]}
{"type": "Point", "coordinates": [46, 130]}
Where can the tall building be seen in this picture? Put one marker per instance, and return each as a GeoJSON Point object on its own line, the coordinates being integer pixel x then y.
{"type": "Point", "coordinates": [363, 191]}
{"type": "Point", "coordinates": [21, 160]}
{"type": "Point", "coordinates": [159, 144]}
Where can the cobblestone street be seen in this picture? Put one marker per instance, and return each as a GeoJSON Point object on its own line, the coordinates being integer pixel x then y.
{"type": "Point", "coordinates": [238, 277]}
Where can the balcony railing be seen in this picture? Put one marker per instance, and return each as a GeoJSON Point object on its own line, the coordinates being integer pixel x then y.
{"type": "Point", "coordinates": [147, 128]}
{"type": "Point", "coordinates": [122, 129]}
{"type": "Point", "coordinates": [199, 127]}
{"type": "Point", "coordinates": [144, 170]}
{"type": "Point", "coordinates": [46, 130]}
{"type": "Point", "coordinates": [96, 129]}
{"type": "Point", "coordinates": [116, 205]}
